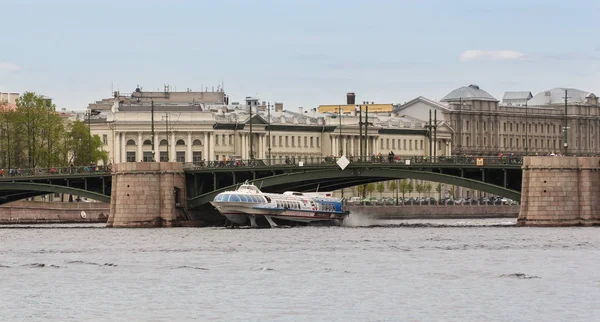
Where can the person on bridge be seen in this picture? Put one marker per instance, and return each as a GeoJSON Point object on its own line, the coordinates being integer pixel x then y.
{"type": "Point", "coordinates": [1, 172]}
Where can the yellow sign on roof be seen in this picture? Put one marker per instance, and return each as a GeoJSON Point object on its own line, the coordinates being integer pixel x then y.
{"type": "Point", "coordinates": [375, 108]}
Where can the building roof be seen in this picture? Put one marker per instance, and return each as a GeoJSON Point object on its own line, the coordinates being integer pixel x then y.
{"type": "Point", "coordinates": [557, 96]}
{"type": "Point", "coordinates": [471, 92]}
{"type": "Point", "coordinates": [517, 96]}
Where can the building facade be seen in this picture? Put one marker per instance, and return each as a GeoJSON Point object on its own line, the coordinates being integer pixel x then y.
{"type": "Point", "coordinates": [201, 127]}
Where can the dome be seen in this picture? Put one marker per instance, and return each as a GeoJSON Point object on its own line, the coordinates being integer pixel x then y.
{"type": "Point", "coordinates": [471, 92]}
{"type": "Point", "coordinates": [557, 96]}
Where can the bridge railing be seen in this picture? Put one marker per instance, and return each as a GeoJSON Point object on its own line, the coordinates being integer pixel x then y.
{"type": "Point", "coordinates": [37, 172]}
{"type": "Point", "coordinates": [378, 159]}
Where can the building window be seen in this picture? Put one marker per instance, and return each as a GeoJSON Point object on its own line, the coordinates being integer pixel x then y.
{"type": "Point", "coordinates": [216, 139]}
{"type": "Point", "coordinates": [541, 128]}
{"type": "Point", "coordinates": [504, 127]}
{"type": "Point", "coordinates": [318, 143]}
{"type": "Point", "coordinates": [180, 156]}
{"type": "Point", "coordinates": [280, 141]}
{"type": "Point", "coordinates": [148, 156]}
{"type": "Point", "coordinates": [404, 144]}
{"type": "Point", "coordinates": [311, 142]}
{"type": "Point", "coordinates": [132, 142]}
{"type": "Point", "coordinates": [163, 156]}
{"type": "Point", "coordinates": [286, 141]}
{"type": "Point", "coordinates": [511, 143]}
{"type": "Point", "coordinates": [299, 141]}
{"type": "Point", "coordinates": [163, 142]}
{"type": "Point", "coordinates": [467, 125]}
{"type": "Point", "coordinates": [381, 144]}
{"type": "Point", "coordinates": [484, 141]}
{"type": "Point", "coordinates": [510, 126]}
{"type": "Point", "coordinates": [484, 126]}
{"type": "Point", "coordinates": [105, 139]}
{"type": "Point", "coordinates": [196, 156]}
{"type": "Point", "coordinates": [410, 144]}
{"type": "Point", "coordinates": [130, 156]}
{"type": "Point", "coordinates": [523, 127]}
{"type": "Point", "coordinates": [306, 142]}
{"type": "Point", "coordinates": [422, 145]}
{"type": "Point", "coordinates": [393, 144]}
{"type": "Point", "coordinates": [293, 141]}
{"type": "Point", "coordinates": [224, 142]}
{"type": "Point", "coordinates": [554, 143]}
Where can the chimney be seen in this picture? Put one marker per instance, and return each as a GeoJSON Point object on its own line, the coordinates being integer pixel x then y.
{"type": "Point", "coordinates": [350, 98]}
{"type": "Point", "coordinates": [278, 107]}
{"type": "Point", "coordinates": [300, 110]}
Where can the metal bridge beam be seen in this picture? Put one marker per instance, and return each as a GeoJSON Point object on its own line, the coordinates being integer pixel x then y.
{"type": "Point", "coordinates": [42, 188]}
{"type": "Point", "coordinates": [285, 181]}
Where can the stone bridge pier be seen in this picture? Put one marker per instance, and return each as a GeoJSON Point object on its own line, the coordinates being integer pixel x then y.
{"type": "Point", "coordinates": [560, 191]}
{"type": "Point", "coordinates": [147, 194]}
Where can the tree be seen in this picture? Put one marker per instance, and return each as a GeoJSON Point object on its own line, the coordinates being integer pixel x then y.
{"type": "Point", "coordinates": [427, 189]}
{"type": "Point", "coordinates": [84, 150]}
{"type": "Point", "coordinates": [370, 188]}
{"type": "Point", "coordinates": [438, 189]}
{"type": "Point", "coordinates": [403, 187]}
{"type": "Point", "coordinates": [360, 190]}
{"type": "Point", "coordinates": [419, 189]}
{"type": "Point", "coordinates": [452, 192]}
{"type": "Point", "coordinates": [393, 186]}
{"type": "Point", "coordinates": [410, 187]}
{"type": "Point", "coordinates": [380, 188]}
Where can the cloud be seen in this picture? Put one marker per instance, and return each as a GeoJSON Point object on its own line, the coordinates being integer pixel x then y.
{"type": "Point", "coordinates": [474, 55]}
{"type": "Point", "coordinates": [8, 67]}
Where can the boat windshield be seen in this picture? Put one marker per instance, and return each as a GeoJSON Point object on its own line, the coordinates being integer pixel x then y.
{"type": "Point", "coordinates": [233, 197]}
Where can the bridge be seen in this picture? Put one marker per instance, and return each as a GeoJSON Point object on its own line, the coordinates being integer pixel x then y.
{"type": "Point", "coordinates": [496, 175]}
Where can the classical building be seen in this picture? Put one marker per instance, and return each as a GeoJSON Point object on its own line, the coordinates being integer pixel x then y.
{"type": "Point", "coordinates": [522, 124]}
{"type": "Point", "coordinates": [196, 126]}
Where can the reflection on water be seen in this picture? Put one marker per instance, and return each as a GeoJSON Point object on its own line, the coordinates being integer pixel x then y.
{"type": "Point", "coordinates": [416, 270]}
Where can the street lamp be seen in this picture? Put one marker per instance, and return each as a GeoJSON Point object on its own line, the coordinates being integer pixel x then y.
{"type": "Point", "coordinates": [340, 116]}
{"type": "Point", "coordinates": [90, 113]}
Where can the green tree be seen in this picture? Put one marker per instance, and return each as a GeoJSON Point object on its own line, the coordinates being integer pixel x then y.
{"type": "Point", "coordinates": [419, 189]}
{"type": "Point", "coordinates": [427, 189]}
{"type": "Point", "coordinates": [85, 149]}
{"type": "Point", "coordinates": [370, 188]}
{"type": "Point", "coordinates": [410, 187]}
{"type": "Point", "coordinates": [380, 188]}
{"type": "Point", "coordinates": [438, 189]}
{"type": "Point", "coordinates": [452, 192]}
{"type": "Point", "coordinates": [360, 190]}
{"type": "Point", "coordinates": [403, 187]}
{"type": "Point", "coordinates": [393, 186]}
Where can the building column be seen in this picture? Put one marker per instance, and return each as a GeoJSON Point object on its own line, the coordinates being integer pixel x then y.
{"type": "Point", "coordinates": [116, 148]}
{"type": "Point", "coordinates": [205, 147]}
{"type": "Point", "coordinates": [138, 155]}
{"type": "Point", "coordinates": [156, 154]}
{"type": "Point", "coordinates": [351, 145]}
{"type": "Point", "coordinates": [211, 146]}
{"type": "Point", "coordinates": [122, 142]}
{"type": "Point", "coordinates": [172, 152]}
{"type": "Point", "coordinates": [244, 147]}
{"type": "Point", "coordinates": [188, 153]}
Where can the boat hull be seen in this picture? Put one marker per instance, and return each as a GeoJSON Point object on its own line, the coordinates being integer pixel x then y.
{"type": "Point", "coordinates": [251, 216]}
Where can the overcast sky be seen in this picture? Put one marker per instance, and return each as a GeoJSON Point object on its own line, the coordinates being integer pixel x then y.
{"type": "Point", "coordinates": [300, 52]}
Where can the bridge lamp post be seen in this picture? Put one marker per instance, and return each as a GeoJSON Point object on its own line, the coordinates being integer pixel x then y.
{"type": "Point", "coordinates": [340, 117]}
{"type": "Point", "coordinates": [89, 119]}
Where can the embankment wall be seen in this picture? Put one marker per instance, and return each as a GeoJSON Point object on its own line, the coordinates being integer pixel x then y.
{"type": "Point", "coordinates": [40, 212]}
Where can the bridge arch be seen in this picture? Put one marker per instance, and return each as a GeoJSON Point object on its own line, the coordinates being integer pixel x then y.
{"type": "Point", "coordinates": [13, 191]}
{"type": "Point", "coordinates": [334, 179]}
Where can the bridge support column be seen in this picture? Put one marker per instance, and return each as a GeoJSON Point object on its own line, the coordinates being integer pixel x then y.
{"type": "Point", "coordinates": [147, 194]}
{"type": "Point", "coordinates": [560, 191]}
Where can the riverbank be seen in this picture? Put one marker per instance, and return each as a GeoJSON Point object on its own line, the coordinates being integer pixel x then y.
{"type": "Point", "coordinates": [436, 212]}
{"type": "Point", "coordinates": [40, 212]}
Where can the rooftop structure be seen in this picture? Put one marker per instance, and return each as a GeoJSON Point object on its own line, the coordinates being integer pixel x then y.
{"type": "Point", "coordinates": [556, 96]}
{"type": "Point", "coordinates": [471, 92]}
{"type": "Point", "coordinates": [516, 98]}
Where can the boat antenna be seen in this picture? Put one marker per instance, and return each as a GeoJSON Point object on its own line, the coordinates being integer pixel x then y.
{"type": "Point", "coordinates": [261, 182]}
{"type": "Point", "coordinates": [318, 184]}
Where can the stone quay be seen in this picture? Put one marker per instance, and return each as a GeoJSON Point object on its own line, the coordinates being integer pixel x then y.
{"type": "Point", "coordinates": [560, 191]}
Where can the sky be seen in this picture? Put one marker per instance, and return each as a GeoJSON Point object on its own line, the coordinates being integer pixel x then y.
{"type": "Point", "coordinates": [299, 52]}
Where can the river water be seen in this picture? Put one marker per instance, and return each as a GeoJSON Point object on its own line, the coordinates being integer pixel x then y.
{"type": "Point", "coordinates": [438, 270]}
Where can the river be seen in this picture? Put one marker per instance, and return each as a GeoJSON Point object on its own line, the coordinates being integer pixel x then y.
{"type": "Point", "coordinates": [437, 270]}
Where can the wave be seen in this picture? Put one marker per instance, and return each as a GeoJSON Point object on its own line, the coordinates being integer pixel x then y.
{"type": "Point", "coordinates": [522, 276]}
